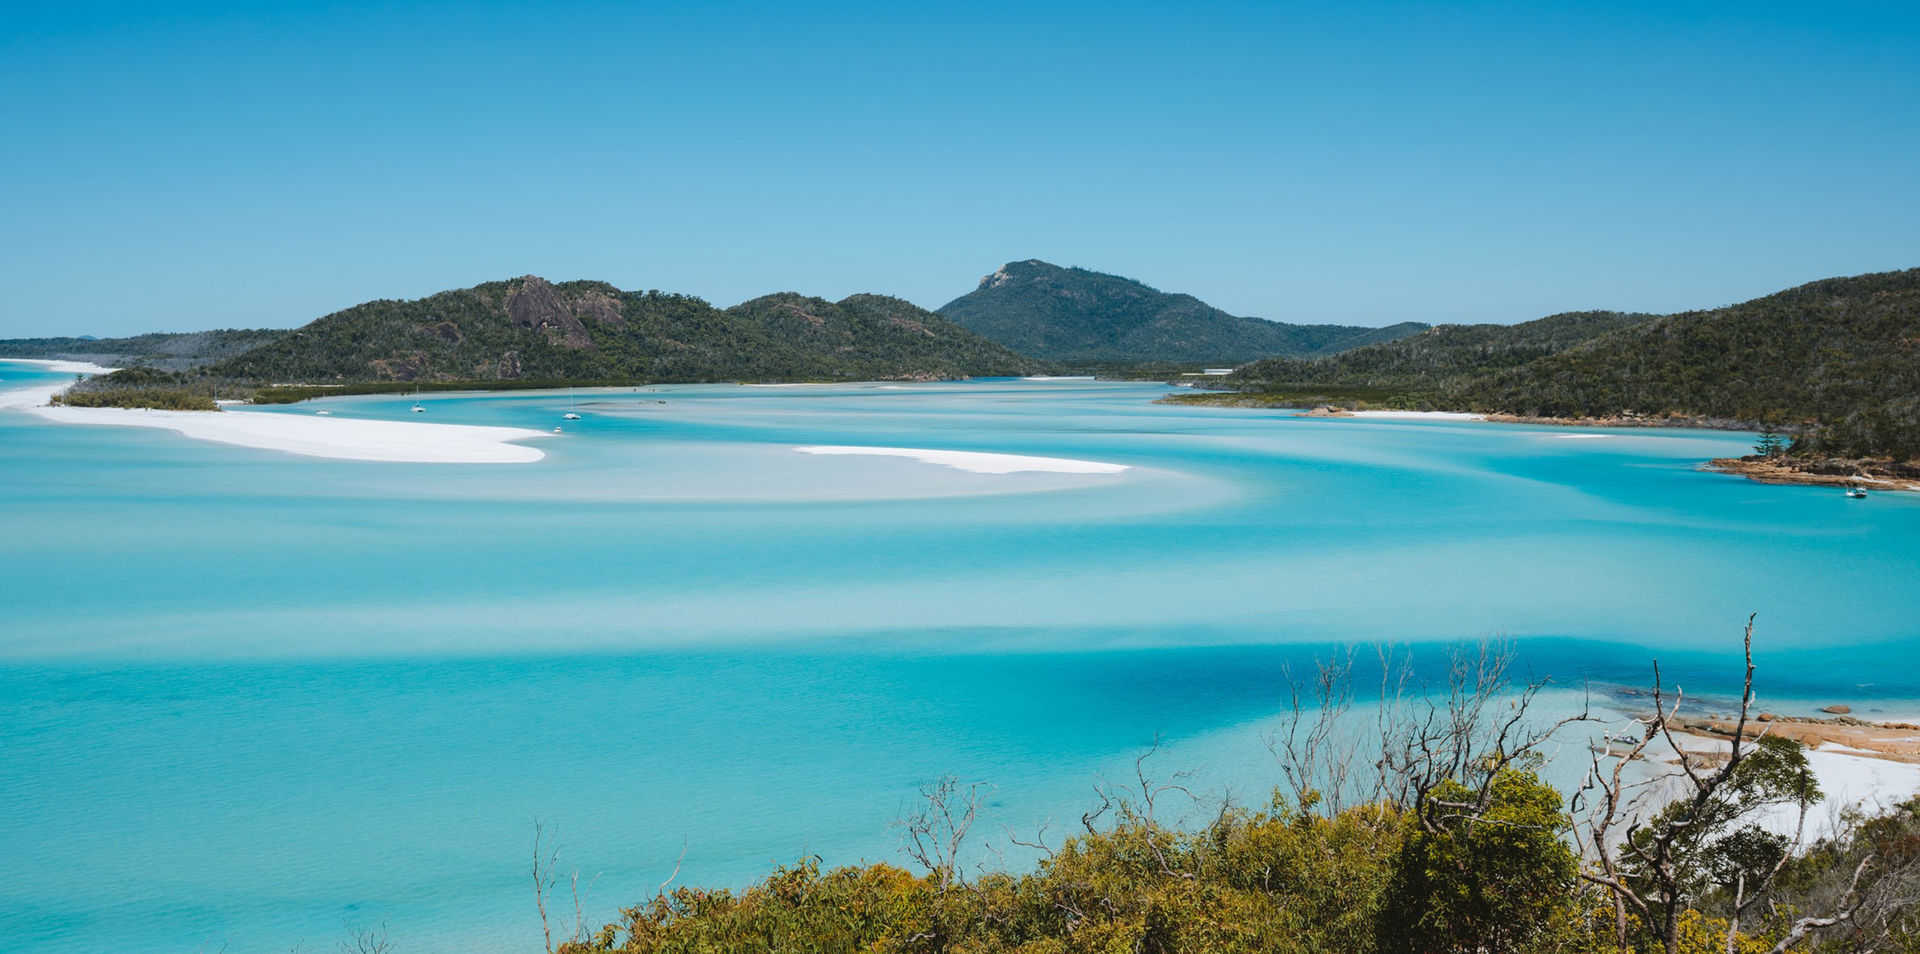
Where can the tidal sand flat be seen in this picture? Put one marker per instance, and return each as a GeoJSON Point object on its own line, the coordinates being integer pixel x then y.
{"type": "Point", "coordinates": [338, 438]}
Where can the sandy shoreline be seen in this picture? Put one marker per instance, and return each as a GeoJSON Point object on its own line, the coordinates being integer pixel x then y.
{"type": "Point", "coordinates": [1420, 415]}
{"type": "Point", "coordinates": [1858, 764]}
{"type": "Point", "coordinates": [978, 462]}
{"type": "Point", "coordinates": [1849, 779]}
{"type": "Point", "coordinates": [335, 438]}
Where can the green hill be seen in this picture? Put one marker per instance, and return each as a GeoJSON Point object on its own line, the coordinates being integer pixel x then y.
{"type": "Point", "coordinates": [1076, 316]}
{"type": "Point", "coordinates": [1836, 360]}
{"type": "Point", "coordinates": [875, 336]}
{"type": "Point", "coordinates": [1841, 356]}
{"type": "Point", "coordinates": [1441, 354]}
{"type": "Point", "coordinates": [528, 329]}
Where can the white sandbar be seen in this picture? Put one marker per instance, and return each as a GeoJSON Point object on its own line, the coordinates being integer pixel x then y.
{"type": "Point", "coordinates": [63, 367]}
{"type": "Point", "coordinates": [339, 438]}
{"type": "Point", "coordinates": [977, 462]}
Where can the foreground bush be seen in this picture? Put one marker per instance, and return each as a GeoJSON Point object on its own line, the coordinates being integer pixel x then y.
{"type": "Point", "coordinates": [1457, 846]}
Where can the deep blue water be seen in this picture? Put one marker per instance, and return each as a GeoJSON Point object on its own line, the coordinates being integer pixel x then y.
{"type": "Point", "coordinates": [248, 697]}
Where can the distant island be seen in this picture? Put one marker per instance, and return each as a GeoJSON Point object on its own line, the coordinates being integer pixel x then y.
{"type": "Point", "coordinates": [530, 333]}
{"type": "Point", "coordinates": [1832, 367]}
{"type": "Point", "coordinates": [527, 332]}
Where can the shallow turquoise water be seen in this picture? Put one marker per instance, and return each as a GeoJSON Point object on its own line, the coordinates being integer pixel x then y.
{"type": "Point", "coordinates": [247, 696]}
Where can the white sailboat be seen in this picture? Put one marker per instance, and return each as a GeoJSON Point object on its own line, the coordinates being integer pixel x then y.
{"type": "Point", "coordinates": [571, 415]}
{"type": "Point", "coordinates": [417, 409]}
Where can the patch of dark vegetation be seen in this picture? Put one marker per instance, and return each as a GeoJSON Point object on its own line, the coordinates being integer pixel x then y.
{"type": "Point", "coordinates": [1835, 363]}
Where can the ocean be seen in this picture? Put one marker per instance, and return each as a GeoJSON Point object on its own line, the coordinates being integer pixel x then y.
{"type": "Point", "coordinates": [252, 700]}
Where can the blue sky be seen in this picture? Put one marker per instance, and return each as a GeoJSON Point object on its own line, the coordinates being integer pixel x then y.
{"type": "Point", "coordinates": [181, 166]}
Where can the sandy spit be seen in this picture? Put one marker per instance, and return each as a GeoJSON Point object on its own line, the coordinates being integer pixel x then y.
{"type": "Point", "coordinates": [338, 438]}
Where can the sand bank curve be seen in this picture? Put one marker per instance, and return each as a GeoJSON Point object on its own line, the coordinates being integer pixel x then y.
{"type": "Point", "coordinates": [978, 462]}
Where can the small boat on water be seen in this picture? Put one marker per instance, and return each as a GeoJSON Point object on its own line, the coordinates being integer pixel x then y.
{"type": "Point", "coordinates": [1856, 493]}
{"type": "Point", "coordinates": [417, 409]}
{"type": "Point", "coordinates": [323, 413]}
{"type": "Point", "coordinates": [571, 415]}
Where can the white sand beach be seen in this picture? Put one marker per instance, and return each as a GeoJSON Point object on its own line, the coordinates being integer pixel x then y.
{"type": "Point", "coordinates": [338, 438]}
{"type": "Point", "coordinates": [1421, 415]}
{"type": "Point", "coordinates": [977, 462]}
{"type": "Point", "coordinates": [1849, 779]}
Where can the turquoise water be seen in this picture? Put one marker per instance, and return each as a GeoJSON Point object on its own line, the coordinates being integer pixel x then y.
{"type": "Point", "coordinates": [249, 697]}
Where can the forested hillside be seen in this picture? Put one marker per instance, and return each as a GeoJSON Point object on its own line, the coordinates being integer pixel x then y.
{"type": "Point", "coordinates": [1837, 361]}
{"type": "Point", "coordinates": [876, 336]}
{"type": "Point", "coordinates": [1445, 353]}
{"type": "Point", "coordinates": [529, 329]}
{"type": "Point", "coordinates": [1076, 316]}
{"type": "Point", "coordinates": [1841, 355]}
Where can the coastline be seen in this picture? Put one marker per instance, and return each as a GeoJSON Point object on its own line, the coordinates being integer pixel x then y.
{"type": "Point", "coordinates": [1330, 406]}
{"type": "Point", "coordinates": [1881, 473]}
{"type": "Point", "coordinates": [1820, 471]}
{"type": "Point", "coordinates": [1627, 420]}
{"type": "Point", "coordinates": [1858, 764]}
{"type": "Point", "coordinates": [335, 438]}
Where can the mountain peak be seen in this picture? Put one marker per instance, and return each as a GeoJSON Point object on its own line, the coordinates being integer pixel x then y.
{"type": "Point", "coordinates": [1086, 317]}
{"type": "Point", "coordinates": [1015, 271]}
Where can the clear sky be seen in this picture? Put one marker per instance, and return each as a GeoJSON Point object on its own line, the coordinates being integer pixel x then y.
{"type": "Point", "coordinates": [182, 166]}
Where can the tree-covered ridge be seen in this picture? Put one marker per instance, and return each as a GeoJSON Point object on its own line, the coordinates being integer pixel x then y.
{"type": "Point", "coordinates": [876, 336]}
{"type": "Point", "coordinates": [165, 350]}
{"type": "Point", "coordinates": [528, 328]}
{"type": "Point", "coordinates": [1840, 356]}
{"type": "Point", "coordinates": [1441, 353]}
{"type": "Point", "coordinates": [1076, 316]}
{"type": "Point", "coordinates": [1836, 360]}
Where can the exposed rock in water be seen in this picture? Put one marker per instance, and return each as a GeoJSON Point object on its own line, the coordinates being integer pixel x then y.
{"type": "Point", "coordinates": [1837, 710]}
{"type": "Point", "coordinates": [1890, 741]}
{"type": "Point", "coordinates": [1881, 473]}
